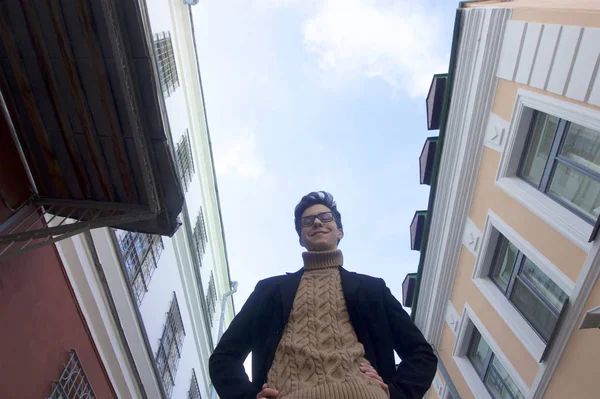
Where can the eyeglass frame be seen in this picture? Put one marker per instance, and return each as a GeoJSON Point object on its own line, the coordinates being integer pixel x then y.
{"type": "Point", "coordinates": [315, 217]}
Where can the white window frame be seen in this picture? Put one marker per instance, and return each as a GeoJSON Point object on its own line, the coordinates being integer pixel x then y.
{"type": "Point", "coordinates": [468, 323]}
{"type": "Point", "coordinates": [494, 226]}
{"type": "Point", "coordinates": [569, 224]}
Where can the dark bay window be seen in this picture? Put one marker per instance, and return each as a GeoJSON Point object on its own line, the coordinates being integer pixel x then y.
{"type": "Point", "coordinates": [562, 159]}
{"type": "Point", "coordinates": [493, 374]}
{"type": "Point", "coordinates": [169, 347]}
{"type": "Point", "coordinates": [528, 288]}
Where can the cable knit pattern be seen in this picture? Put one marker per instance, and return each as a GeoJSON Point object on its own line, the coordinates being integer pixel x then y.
{"type": "Point", "coordinates": [319, 354]}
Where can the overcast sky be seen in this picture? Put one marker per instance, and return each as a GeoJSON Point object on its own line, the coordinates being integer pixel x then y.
{"type": "Point", "coordinates": [320, 95]}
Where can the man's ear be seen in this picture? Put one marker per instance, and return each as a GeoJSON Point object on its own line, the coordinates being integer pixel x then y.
{"type": "Point", "coordinates": [340, 234]}
{"type": "Point", "coordinates": [300, 241]}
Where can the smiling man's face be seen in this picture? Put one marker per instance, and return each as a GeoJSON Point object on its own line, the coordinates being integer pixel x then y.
{"type": "Point", "coordinates": [320, 236]}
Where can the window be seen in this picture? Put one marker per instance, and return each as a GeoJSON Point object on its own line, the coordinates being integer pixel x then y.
{"type": "Point", "coordinates": [200, 238]}
{"type": "Point", "coordinates": [194, 392]}
{"type": "Point", "coordinates": [167, 69]}
{"type": "Point", "coordinates": [527, 287]}
{"type": "Point", "coordinates": [493, 374]}
{"type": "Point", "coordinates": [211, 299]}
{"type": "Point", "coordinates": [562, 159]}
{"type": "Point", "coordinates": [141, 253]}
{"type": "Point", "coordinates": [73, 382]}
{"type": "Point", "coordinates": [185, 161]}
{"type": "Point", "coordinates": [169, 347]}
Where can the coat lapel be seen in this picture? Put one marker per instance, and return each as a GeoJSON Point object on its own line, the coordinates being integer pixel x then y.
{"type": "Point", "coordinates": [287, 290]}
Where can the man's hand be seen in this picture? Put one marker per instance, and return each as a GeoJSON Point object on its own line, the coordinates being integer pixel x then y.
{"type": "Point", "coordinates": [370, 371]}
{"type": "Point", "coordinates": [268, 393]}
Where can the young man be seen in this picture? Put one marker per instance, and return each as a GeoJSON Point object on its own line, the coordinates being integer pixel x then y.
{"type": "Point", "coordinates": [322, 332]}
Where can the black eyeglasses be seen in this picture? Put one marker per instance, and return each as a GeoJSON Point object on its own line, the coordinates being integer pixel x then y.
{"type": "Point", "coordinates": [324, 217]}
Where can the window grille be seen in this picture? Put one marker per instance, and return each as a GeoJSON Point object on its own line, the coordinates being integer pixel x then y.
{"type": "Point", "coordinates": [200, 237]}
{"type": "Point", "coordinates": [72, 383]}
{"type": "Point", "coordinates": [211, 299]}
{"type": "Point", "coordinates": [194, 392]}
{"type": "Point", "coordinates": [185, 161]}
{"type": "Point", "coordinates": [141, 253]}
{"type": "Point", "coordinates": [169, 347]}
{"type": "Point", "coordinates": [167, 69]}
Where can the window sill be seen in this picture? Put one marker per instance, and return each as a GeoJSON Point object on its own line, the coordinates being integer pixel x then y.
{"type": "Point", "coordinates": [472, 379]}
{"type": "Point", "coordinates": [517, 323]}
{"type": "Point", "coordinates": [564, 221]}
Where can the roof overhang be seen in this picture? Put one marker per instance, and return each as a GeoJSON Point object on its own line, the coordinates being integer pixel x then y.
{"type": "Point", "coordinates": [81, 95]}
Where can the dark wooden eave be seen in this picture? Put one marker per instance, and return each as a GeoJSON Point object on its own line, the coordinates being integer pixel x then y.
{"type": "Point", "coordinates": [80, 89]}
{"type": "Point", "coordinates": [408, 289]}
{"type": "Point", "coordinates": [427, 159]}
{"type": "Point", "coordinates": [417, 227]}
{"type": "Point", "coordinates": [435, 101]}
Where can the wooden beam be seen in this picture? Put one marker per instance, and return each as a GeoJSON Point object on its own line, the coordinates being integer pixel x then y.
{"type": "Point", "coordinates": [57, 102]}
{"type": "Point", "coordinates": [93, 45]}
{"type": "Point", "coordinates": [31, 107]}
{"type": "Point", "coordinates": [12, 114]}
{"type": "Point", "coordinates": [79, 98]}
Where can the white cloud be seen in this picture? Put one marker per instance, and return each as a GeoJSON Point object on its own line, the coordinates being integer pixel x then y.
{"type": "Point", "coordinates": [398, 41]}
{"type": "Point", "coordinates": [238, 156]}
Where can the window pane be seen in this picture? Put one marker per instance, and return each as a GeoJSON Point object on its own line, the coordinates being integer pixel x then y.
{"type": "Point", "coordinates": [579, 190]}
{"type": "Point", "coordinates": [479, 352]}
{"type": "Point", "coordinates": [500, 384]}
{"type": "Point", "coordinates": [504, 263]}
{"type": "Point", "coordinates": [533, 309]}
{"type": "Point", "coordinates": [544, 284]}
{"type": "Point", "coordinates": [536, 155]}
{"type": "Point", "coordinates": [582, 145]}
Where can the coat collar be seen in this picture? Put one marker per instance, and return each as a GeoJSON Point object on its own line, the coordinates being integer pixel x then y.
{"type": "Point", "coordinates": [289, 286]}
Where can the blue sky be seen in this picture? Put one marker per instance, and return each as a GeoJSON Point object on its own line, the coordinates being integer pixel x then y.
{"type": "Point", "coordinates": [320, 95]}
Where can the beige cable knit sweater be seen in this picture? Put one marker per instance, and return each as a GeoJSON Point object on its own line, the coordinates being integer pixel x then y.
{"type": "Point", "coordinates": [319, 355]}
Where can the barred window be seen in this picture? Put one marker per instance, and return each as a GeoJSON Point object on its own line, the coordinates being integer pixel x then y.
{"type": "Point", "coordinates": [211, 298]}
{"type": "Point", "coordinates": [167, 69]}
{"type": "Point", "coordinates": [169, 347]}
{"type": "Point", "coordinates": [73, 382]}
{"type": "Point", "coordinates": [141, 253]}
{"type": "Point", "coordinates": [200, 238]}
{"type": "Point", "coordinates": [185, 161]}
{"type": "Point", "coordinates": [194, 392]}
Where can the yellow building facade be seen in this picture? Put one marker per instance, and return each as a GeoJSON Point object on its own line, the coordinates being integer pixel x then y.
{"type": "Point", "coordinates": [508, 275]}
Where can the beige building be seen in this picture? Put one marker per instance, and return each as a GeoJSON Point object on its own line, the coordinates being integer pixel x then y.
{"type": "Point", "coordinates": [507, 283]}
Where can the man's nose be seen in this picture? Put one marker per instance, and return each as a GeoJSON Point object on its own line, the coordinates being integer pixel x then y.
{"type": "Point", "coordinates": [317, 223]}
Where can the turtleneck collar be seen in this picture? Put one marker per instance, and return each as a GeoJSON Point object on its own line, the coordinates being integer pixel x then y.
{"type": "Point", "coordinates": [314, 260]}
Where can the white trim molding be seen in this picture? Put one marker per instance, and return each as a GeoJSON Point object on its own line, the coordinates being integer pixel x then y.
{"type": "Point", "coordinates": [438, 386]}
{"type": "Point", "coordinates": [472, 98]}
{"type": "Point", "coordinates": [469, 322]}
{"type": "Point", "coordinates": [570, 225]}
{"type": "Point", "coordinates": [560, 59]}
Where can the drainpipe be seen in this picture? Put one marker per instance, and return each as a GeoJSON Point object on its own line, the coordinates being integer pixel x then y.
{"type": "Point", "coordinates": [234, 285]}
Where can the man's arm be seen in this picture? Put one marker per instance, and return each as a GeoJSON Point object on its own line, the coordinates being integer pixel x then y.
{"type": "Point", "coordinates": [226, 364]}
{"type": "Point", "coordinates": [417, 369]}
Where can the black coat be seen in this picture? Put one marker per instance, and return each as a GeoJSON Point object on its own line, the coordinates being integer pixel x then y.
{"type": "Point", "coordinates": [380, 323]}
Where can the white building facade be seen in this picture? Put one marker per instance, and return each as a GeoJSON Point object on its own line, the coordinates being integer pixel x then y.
{"type": "Point", "coordinates": [154, 304]}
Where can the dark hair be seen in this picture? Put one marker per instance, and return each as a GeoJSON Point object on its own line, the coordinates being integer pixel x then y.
{"type": "Point", "coordinates": [316, 198]}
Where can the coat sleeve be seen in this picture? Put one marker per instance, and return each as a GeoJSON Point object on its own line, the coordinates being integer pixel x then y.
{"type": "Point", "coordinates": [226, 364]}
{"type": "Point", "coordinates": [418, 362]}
